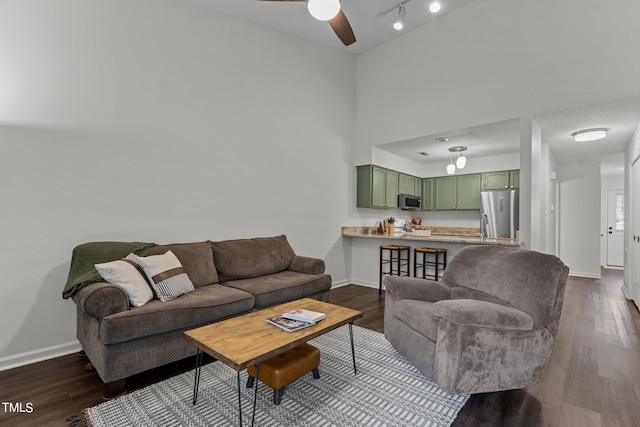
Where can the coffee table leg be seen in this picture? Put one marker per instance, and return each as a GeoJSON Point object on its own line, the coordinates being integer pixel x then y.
{"type": "Point", "coordinates": [196, 383]}
{"type": "Point", "coordinates": [353, 350]}
{"type": "Point", "coordinates": [255, 394]}
{"type": "Point", "coordinates": [239, 401]}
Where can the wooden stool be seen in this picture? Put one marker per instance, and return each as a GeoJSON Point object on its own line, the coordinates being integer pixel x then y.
{"type": "Point", "coordinates": [285, 368]}
{"type": "Point", "coordinates": [438, 266]}
{"type": "Point", "coordinates": [396, 262]}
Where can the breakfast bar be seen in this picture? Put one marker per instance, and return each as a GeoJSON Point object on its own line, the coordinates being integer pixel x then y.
{"type": "Point", "coordinates": [363, 245]}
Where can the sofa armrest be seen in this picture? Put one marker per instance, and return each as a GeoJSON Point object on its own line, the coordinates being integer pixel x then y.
{"type": "Point", "coordinates": [303, 264]}
{"type": "Point", "coordinates": [101, 299]}
{"type": "Point", "coordinates": [400, 287]}
{"type": "Point", "coordinates": [481, 313]}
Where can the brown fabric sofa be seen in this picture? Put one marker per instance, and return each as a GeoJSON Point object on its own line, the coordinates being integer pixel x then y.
{"type": "Point", "coordinates": [230, 277]}
{"type": "Point", "coordinates": [489, 325]}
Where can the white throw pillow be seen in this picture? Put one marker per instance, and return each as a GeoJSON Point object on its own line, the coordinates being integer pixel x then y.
{"type": "Point", "coordinates": [128, 276]}
{"type": "Point", "coordinates": [166, 275]}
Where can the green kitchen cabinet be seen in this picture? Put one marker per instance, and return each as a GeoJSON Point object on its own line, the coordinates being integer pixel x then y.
{"type": "Point", "coordinates": [417, 187]}
{"type": "Point", "coordinates": [446, 197]}
{"type": "Point", "coordinates": [468, 191]}
{"type": "Point", "coordinates": [460, 192]}
{"type": "Point", "coordinates": [428, 201]}
{"type": "Point", "coordinates": [376, 187]}
{"type": "Point", "coordinates": [501, 180]}
{"type": "Point", "coordinates": [514, 179]}
{"type": "Point", "coordinates": [407, 184]}
{"type": "Point", "coordinates": [391, 189]}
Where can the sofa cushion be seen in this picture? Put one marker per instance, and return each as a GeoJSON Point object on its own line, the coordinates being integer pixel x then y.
{"type": "Point", "coordinates": [415, 314]}
{"type": "Point", "coordinates": [247, 258]}
{"type": "Point", "coordinates": [130, 277]}
{"type": "Point", "coordinates": [197, 259]}
{"type": "Point", "coordinates": [205, 305]}
{"type": "Point", "coordinates": [166, 274]}
{"type": "Point", "coordinates": [460, 292]}
{"type": "Point", "coordinates": [282, 287]}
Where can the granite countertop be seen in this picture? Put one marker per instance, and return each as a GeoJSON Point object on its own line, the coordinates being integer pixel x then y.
{"type": "Point", "coordinates": [438, 234]}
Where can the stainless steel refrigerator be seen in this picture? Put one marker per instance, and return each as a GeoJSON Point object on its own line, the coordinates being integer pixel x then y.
{"type": "Point", "coordinates": [500, 213]}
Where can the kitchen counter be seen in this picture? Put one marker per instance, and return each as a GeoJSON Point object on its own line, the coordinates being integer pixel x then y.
{"type": "Point", "coordinates": [453, 237]}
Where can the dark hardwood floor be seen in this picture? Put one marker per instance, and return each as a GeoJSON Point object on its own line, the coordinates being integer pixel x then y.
{"type": "Point", "coordinates": [593, 378]}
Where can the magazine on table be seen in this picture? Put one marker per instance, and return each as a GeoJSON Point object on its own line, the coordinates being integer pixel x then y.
{"type": "Point", "coordinates": [304, 315]}
{"type": "Point", "coordinates": [288, 325]}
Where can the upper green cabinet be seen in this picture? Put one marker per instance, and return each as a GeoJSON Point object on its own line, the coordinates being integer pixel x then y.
{"type": "Point", "coordinates": [459, 192]}
{"type": "Point", "coordinates": [376, 187]}
{"type": "Point", "coordinates": [379, 188]}
{"type": "Point", "coordinates": [408, 184]}
{"type": "Point", "coordinates": [428, 199]}
{"type": "Point", "coordinates": [501, 180]}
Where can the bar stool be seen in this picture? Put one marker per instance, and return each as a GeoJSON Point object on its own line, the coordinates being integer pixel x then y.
{"type": "Point", "coordinates": [399, 260]}
{"type": "Point", "coordinates": [430, 258]}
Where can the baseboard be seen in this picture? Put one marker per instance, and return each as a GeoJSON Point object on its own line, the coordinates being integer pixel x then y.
{"type": "Point", "coordinates": [340, 283]}
{"type": "Point", "coordinates": [586, 275]}
{"type": "Point", "coordinates": [39, 355]}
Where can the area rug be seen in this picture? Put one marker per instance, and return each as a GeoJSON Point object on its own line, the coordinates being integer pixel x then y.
{"type": "Point", "coordinates": [387, 391]}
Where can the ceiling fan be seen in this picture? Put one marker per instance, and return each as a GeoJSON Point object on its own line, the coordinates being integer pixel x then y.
{"type": "Point", "coordinates": [330, 10]}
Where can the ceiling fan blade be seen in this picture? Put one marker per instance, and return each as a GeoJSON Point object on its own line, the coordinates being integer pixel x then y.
{"type": "Point", "coordinates": [342, 28]}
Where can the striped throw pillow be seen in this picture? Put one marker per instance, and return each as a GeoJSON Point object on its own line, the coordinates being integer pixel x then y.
{"type": "Point", "coordinates": [166, 274]}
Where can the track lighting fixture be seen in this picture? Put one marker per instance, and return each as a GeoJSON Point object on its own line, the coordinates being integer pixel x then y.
{"type": "Point", "coordinates": [398, 25]}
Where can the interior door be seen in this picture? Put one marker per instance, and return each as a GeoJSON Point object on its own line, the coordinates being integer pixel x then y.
{"type": "Point", "coordinates": [615, 228]}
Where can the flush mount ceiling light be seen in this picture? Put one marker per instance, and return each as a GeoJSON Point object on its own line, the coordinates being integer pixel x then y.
{"type": "Point", "coordinates": [435, 7]}
{"type": "Point", "coordinates": [323, 10]}
{"type": "Point", "coordinates": [589, 134]}
{"type": "Point", "coordinates": [461, 161]}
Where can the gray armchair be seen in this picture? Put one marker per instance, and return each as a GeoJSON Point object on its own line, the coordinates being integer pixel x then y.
{"type": "Point", "coordinates": [489, 325]}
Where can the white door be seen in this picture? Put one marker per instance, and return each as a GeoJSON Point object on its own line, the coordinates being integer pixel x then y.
{"type": "Point", "coordinates": [615, 228]}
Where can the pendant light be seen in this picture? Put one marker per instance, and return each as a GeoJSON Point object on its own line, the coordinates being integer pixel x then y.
{"type": "Point", "coordinates": [461, 161]}
{"type": "Point", "coordinates": [323, 10]}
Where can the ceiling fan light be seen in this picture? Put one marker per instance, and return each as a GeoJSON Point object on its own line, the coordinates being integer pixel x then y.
{"type": "Point", "coordinates": [451, 168]}
{"type": "Point", "coordinates": [461, 161]}
{"type": "Point", "coordinates": [589, 134]}
{"type": "Point", "coordinates": [435, 7]}
{"type": "Point", "coordinates": [323, 10]}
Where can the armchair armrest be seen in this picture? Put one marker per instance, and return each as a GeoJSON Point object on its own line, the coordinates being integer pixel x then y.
{"type": "Point", "coordinates": [412, 288]}
{"type": "Point", "coordinates": [469, 312]}
{"type": "Point", "coordinates": [101, 299]}
{"type": "Point", "coordinates": [303, 264]}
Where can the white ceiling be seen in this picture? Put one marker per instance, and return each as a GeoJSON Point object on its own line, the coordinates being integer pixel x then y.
{"type": "Point", "coordinates": [293, 18]}
{"type": "Point", "coordinates": [620, 117]}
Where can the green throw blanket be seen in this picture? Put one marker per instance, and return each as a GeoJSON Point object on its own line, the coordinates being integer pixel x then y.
{"type": "Point", "coordinates": [87, 255]}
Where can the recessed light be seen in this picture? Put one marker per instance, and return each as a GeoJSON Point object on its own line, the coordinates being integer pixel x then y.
{"type": "Point", "coordinates": [442, 139]}
{"type": "Point", "coordinates": [422, 153]}
{"type": "Point", "coordinates": [589, 134]}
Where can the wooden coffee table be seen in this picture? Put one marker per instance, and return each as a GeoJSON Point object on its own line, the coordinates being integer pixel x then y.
{"type": "Point", "coordinates": [248, 340]}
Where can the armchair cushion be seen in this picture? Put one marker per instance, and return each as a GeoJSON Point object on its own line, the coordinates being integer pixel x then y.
{"type": "Point", "coordinates": [481, 313]}
{"type": "Point", "coordinates": [417, 289]}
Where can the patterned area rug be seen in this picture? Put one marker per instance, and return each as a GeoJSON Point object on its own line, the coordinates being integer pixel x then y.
{"type": "Point", "coordinates": [387, 391]}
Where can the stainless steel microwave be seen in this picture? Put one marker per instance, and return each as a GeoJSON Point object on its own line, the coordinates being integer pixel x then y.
{"type": "Point", "coordinates": [408, 201]}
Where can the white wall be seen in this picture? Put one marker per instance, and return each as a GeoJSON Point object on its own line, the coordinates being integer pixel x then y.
{"type": "Point", "coordinates": [631, 284]}
{"type": "Point", "coordinates": [579, 189]}
{"type": "Point", "coordinates": [549, 198]}
{"type": "Point", "coordinates": [159, 121]}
